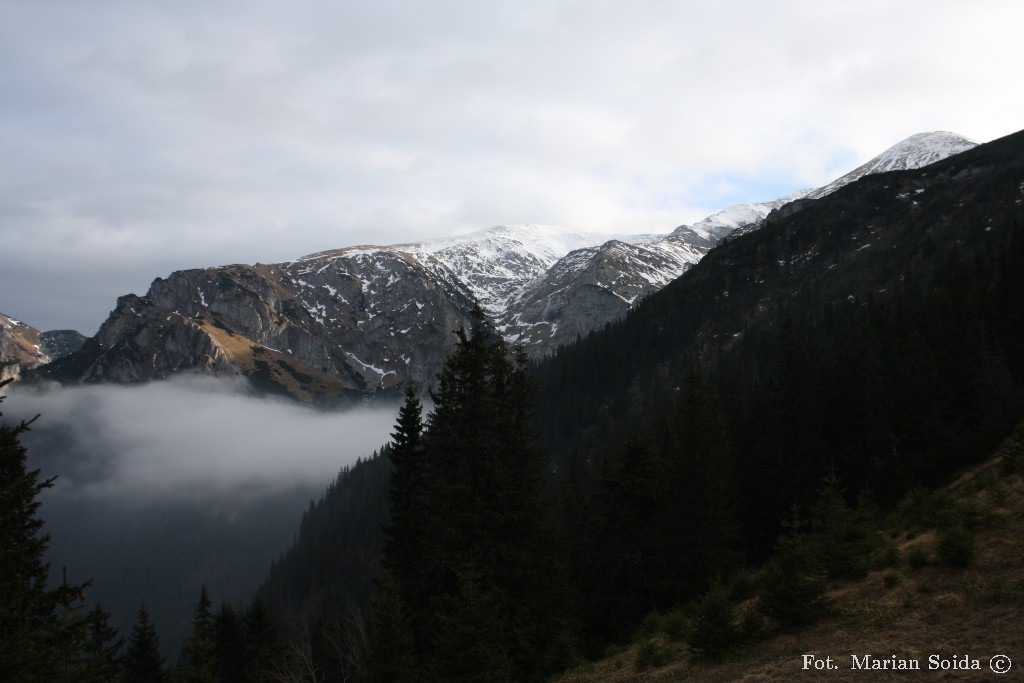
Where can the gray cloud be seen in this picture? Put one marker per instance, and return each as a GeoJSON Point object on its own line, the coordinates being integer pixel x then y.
{"type": "Point", "coordinates": [188, 438]}
{"type": "Point", "coordinates": [195, 134]}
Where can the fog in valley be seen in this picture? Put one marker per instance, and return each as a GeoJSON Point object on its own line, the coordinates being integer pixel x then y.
{"type": "Point", "coordinates": [166, 487]}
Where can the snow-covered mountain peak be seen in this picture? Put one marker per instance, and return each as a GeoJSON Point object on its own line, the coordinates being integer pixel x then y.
{"type": "Point", "coordinates": [920, 150]}
{"type": "Point", "coordinates": [736, 216]}
{"type": "Point", "coordinates": [916, 151]}
{"type": "Point", "coordinates": [547, 240]}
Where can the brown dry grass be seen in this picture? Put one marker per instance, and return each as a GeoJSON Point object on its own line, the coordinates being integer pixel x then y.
{"type": "Point", "coordinates": [297, 379]}
{"type": "Point", "coordinates": [914, 613]}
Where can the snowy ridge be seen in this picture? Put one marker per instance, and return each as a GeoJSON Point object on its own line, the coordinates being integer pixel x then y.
{"type": "Point", "coordinates": [526, 276]}
{"type": "Point", "coordinates": [917, 151]}
{"type": "Point", "coordinates": [737, 216]}
{"type": "Point", "coordinates": [374, 317]}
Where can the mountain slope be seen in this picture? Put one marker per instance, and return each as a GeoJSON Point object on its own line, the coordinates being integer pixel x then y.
{"type": "Point", "coordinates": [915, 608]}
{"type": "Point", "coordinates": [917, 151]}
{"type": "Point", "coordinates": [824, 258]}
{"type": "Point", "coordinates": [23, 347]}
{"type": "Point", "coordinates": [875, 334]}
{"type": "Point", "coordinates": [360, 320]}
{"type": "Point", "coordinates": [19, 348]}
{"type": "Point", "coordinates": [729, 312]}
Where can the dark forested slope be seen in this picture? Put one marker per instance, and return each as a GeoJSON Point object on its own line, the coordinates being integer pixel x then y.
{"type": "Point", "coordinates": [874, 337]}
{"type": "Point", "coordinates": [887, 267]}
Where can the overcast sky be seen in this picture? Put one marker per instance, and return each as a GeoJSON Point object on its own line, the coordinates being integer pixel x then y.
{"type": "Point", "coordinates": [140, 137]}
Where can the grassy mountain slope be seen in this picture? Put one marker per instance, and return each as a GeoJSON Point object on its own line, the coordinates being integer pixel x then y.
{"type": "Point", "coordinates": [921, 604]}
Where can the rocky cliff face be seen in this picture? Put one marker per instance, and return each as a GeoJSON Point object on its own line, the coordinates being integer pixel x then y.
{"type": "Point", "coordinates": [591, 287]}
{"type": "Point", "coordinates": [23, 347]}
{"type": "Point", "coordinates": [19, 348]}
{"type": "Point", "coordinates": [60, 343]}
{"type": "Point", "coordinates": [330, 325]}
{"type": "Point", "coordinates": [359, 320]}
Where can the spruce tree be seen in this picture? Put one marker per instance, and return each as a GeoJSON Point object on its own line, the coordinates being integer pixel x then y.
{"type": "Point", "coordinates": [842, 537]}
{"type": "Point", "coordinates": [199, 661]}
{"type": "Point", "coordinates": [40, 630]}
{"type": "Point", "coordinates": [792, 584]}
{"type": "Point", "coordinates": [264, 645]}
{"type": "Point", "coordinates": [100, 657]}
{"type": "Point", "coordinates": [471, 645]}
{"type": "Point", "coordinates": [477, 505]}
{"type": "Point", "coordinates": [715, 634]}
{"type": "Point", "coordinates": [230, 645]}
{"type": "Point", "coordinates": [697, 517]}
{"type": "Point", "coordinates": [391, 645]}
{"type": "Point", "coordinates": [142, 661]}
{"type": "Point", "coordinates": [403, 534]}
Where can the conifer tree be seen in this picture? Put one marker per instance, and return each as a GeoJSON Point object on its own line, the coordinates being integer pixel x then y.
{"type": "Point", "coordinates": [403, 534]}
{"type": "Point", "coordinates": [471, 645]}
{"type": "Point", "coordinates": [481, 505]}
{"type": "Point", "coordinates": [230, 645]}
{"type": "Point", "coordinates": [792, 584]}
{"type": "Point", "coordinates": [842, 537]}
{"type": "Point", "coordinates": [390, 641]}
{"type": "Point", "coordinates": [143, 662]}
{"type": "Point", "coordinates": [40, 630]}
{"type": "Point", "coordinates": [199, 663]}
{"type": "Point", "coordinates": [100, 657]}
{"type": "Point", "coordinates": [697, 517]}
{"type": "Point", "coordinates": [264, 644]}
{"type": "Point", "coordinates": [629, 500]}
{"type": "Point", "coordinates": [715, 634]}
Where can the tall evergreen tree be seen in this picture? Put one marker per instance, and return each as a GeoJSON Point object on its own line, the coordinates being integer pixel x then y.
{"type": "Point", "coordinates": [403, 534]}
{"type": "Point", "coordinates": [232, 662]}
{"type": "Point", "coordinates": [391, 656]}
{"type": "Point", "coordinates": [471, 645]}
{"type": "Point", "coordinates": [199, 660]}
{"type": "Point", "coordinates": [100, 657]}
{"type": "Point", "coordinates": [264, 644]}
{"type": "Point", "coordinates": [142, 661]}
{"type": "Point", "coordinates": [40, 630]}
{"type": "Point", "coordinates": [481, 506]}
{"type": "Point", "coordinates": [842, 537]}
{"type": "Point", "coordinates": [792, 584]}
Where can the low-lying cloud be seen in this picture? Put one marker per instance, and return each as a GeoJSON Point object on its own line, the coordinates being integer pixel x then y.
{"type": "Point", "coordinates": [188, 437]}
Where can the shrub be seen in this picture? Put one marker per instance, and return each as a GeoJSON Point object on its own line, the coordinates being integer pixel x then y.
{"type": "Point", "coordinates": [651, 655]}
{"type": "Point", "coordinates": [956, 546]}
{"type": "Point", "coordinates": [917, 557]}
{"type": "Point", "coordinates": [886, 556]}
{"type": "Point", "coordinates": [1012, 450]}
{"type": "Point", "coordinates": [650, 625]}
{"type": "Point", "coordinates": [714, 635]}
{"type": "Point", "coordinates": [676, 625]}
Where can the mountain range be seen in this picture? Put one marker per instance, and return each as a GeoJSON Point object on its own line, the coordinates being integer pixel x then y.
{"type": "Point", "coordinates": [346, 323]}
{"type": "Point", "coordinates": [873, 335]}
